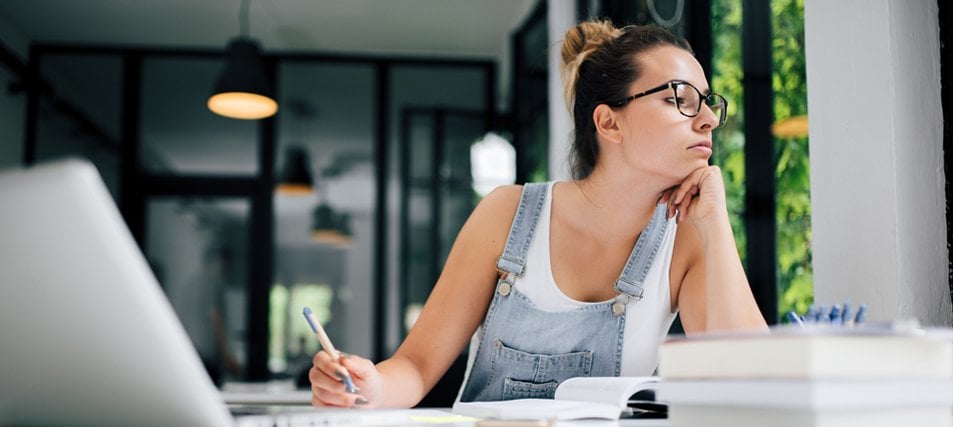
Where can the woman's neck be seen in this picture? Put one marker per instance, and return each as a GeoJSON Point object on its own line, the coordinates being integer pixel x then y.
{"type": "Point", "coordinates": [613, 206]}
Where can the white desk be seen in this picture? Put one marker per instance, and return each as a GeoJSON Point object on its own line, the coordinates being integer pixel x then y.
{"type": "Point", "coordinates": [297, 415]}
{"type": "Point", "coordinates": [261, 404]}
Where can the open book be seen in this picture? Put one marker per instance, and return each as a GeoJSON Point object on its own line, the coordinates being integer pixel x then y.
{"type": "Point", "coordinates": [575, 398]}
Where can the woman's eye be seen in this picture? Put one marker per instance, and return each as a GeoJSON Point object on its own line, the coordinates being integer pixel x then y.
{"type": "Point", "coordinates": [679, 100]}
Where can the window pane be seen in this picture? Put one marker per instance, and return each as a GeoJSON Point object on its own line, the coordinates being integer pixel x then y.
{"type": "Point", "coordinates": [328, 110]}
{"type": "Point", "coordinates": [197, 249]}
{"type": "Point", "coordinates": [727, 77]}
{"type": "Point", "coordinates": [79, 116]}
{"type": "Point", "coordinates": [179, 133]}
{"type": "Point", "coordinates": [795, 270]}
{"type": "Point", "coordinates": [424, 90]}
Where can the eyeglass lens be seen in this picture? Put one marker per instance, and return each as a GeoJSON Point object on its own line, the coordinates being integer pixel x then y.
{"type": "Point", "coordinates": [689, 99]}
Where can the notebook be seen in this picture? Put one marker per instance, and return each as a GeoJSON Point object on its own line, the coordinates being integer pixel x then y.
{"type": "Point", "coordinates": [87, 337]}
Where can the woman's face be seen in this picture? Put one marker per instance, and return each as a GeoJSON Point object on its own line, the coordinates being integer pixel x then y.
{"type": "Point", "coordinates": [656, 137]}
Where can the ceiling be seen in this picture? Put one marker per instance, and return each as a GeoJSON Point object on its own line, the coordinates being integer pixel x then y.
{"type": "Point", "coordinates": [421, 27]}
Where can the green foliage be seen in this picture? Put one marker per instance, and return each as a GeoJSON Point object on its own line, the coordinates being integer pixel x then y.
{"type": "Point", "coordinates": [793, 203]}
{"type": "Point", "coordinates": [727, 76]}
{"type": "Point", "coordinates": [789, 81]}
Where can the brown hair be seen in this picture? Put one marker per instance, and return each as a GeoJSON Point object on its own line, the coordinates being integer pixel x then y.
{"type": "Point", "coordinates": [598, 67]}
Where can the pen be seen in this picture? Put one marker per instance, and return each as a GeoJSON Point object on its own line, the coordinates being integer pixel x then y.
{"type": "Point", "coordinates": [845, 314]}
{"type": "Point", "coordinates": [794, 318]}
{"type": "Point", "coordinates": [861, 314]}
{"type": "Point", "coordinates": [328, 347]}
{"type": "Point", "coordinates": [811, 314]}
{"type": "Point", "coordinates": [834, 315]}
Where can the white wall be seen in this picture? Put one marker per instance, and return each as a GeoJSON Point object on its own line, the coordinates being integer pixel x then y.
{"type": "Point", "coordinates": [560, 15]}
{"type": "Point", "coordinates": [877, 182]}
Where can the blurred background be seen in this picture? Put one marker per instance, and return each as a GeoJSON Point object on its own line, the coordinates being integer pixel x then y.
{"type": "Point", "coordinates": [394, 118]}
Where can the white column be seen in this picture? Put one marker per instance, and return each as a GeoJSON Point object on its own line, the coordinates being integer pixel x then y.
{"type": "Point", "coordinates": [877, 181]}
{"type": "Point", "coordinates": [561, 16]}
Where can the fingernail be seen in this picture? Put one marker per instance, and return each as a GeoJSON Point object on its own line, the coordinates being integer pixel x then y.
{"type": "Point", "coordinates": [344, 355]}
{"type": "Point", "coordinates": [360, 401]}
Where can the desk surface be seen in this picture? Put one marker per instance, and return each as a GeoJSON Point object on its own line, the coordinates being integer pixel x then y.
{"type": "Point", "coordinates": [259, 405]}
{"type": "Point", "coordinates": [261, 416]}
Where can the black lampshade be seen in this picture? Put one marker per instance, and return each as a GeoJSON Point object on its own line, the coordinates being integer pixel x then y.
{"type": "Point", "coordinates": [243, 91]}
{"type": "Point", "coordinates": [296, 177]}
{"type": "Point", "coordinates": [331, 227]}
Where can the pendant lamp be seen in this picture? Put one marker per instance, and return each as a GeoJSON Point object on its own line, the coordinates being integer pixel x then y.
{"type": "Point", "coordinates": [243, 91]}
{"type": "Point", "coordinates": [331, 227]}
{"type": "Point", "coordinates": [296, 178]}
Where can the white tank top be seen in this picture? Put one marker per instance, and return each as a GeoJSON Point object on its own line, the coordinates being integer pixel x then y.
{"type": "Point", "coordinates": [645, 326]}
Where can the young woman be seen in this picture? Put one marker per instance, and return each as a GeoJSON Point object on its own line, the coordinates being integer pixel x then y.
{"type": "Point", "coordinates": [582, 278]}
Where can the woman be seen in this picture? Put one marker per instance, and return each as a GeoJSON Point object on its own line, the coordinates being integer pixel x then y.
{"type": "Point", "coordinates": [589, 273]}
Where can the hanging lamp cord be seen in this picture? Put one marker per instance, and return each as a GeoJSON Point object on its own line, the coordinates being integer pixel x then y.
{"type": "Point", "coordinates": [243, 21]}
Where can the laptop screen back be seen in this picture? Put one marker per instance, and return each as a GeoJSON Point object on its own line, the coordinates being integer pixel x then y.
{"type": "Point", "coordinates": [87, 335]}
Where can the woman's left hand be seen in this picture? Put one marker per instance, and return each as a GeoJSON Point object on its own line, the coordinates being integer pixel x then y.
{"type": "Point", "coordinates": [700, 198]}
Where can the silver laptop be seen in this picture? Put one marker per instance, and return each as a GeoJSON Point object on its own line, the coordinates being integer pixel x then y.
{"type": "Point", "coordinates": [87, 336]}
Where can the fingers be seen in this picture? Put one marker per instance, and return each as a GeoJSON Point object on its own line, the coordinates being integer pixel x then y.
{"type": "Point", "coordinates": [686, 194]}
{"type": "Point", "coordinates": [666, 197]}
{"type": "Point", "coordinates": [359, 367]}
{"type": "Point", "coordinates": [327, 387]}
{"type": "Point", "coordinates": [322, 396]}
{"type": "Point", "coordinates": [690, 186]}
{"type": "Point", "coordinates": [323, 362]}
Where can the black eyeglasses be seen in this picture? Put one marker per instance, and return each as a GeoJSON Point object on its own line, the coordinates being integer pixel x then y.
{"type": "Point", "coordinates": [687, 99]}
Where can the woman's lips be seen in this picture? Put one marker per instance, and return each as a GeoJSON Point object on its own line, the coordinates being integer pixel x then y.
{"type": "Point", "coordinates": [703, 146]}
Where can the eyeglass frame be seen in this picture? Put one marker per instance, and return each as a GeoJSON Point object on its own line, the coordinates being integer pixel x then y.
{"type": "Point", "coordinates": [703, 99]}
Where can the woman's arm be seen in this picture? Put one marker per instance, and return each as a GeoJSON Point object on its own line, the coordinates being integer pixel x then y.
{"type": "Point", "coordinates": [452, 313]}
{"type": "Point", "coordinates": [714, 294]}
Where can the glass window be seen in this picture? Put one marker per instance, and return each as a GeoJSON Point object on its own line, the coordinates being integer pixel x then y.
{"type": "Point", "coordinates": [11, 121]}
{"type": "Point", "coordinates": [425, 98]}
{"type": "Point", "coordinates": [324, 238]}
{"type": "Point", "coordinates": [197, 249]}
{"type": "Point", "coordinates": [179, 134]}
{"type": "Point", "coordinates": [789, 81]}
{"type": "Point", "coordinates": [79, 116]}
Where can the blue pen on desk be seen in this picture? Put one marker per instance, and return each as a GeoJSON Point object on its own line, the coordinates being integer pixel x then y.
{"type": "Point", "coordinates": [794, 318]}
{"type": "Point", "coordinates": [809, 317]}
{"type": "Point", "coordinates": [835, 314]}
{"type": "Point", "coordinates": [861, 314]}
{"type": "Point", "coordinates": [845, 314]}
{"type": "Point", "coordinates": [328, 347]}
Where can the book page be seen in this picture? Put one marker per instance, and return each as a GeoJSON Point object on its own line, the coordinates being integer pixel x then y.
{"type": "Point", "coordinates": [537, 409]}
{"type": "Point", "coordinates": [611, 390]}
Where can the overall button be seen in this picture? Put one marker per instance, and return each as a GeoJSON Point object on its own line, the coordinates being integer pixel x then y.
{"type": "Point", "coordinates": [618, 308]}
{"type": "Point", "coordinates": [504, 289]}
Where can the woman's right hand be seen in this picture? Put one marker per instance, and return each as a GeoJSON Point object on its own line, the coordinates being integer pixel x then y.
{"type": "Point", "coordinates": [328, 389]}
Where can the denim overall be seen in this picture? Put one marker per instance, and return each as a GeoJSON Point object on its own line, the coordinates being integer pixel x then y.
{"type": "Point", "coordinates": [525, 352]}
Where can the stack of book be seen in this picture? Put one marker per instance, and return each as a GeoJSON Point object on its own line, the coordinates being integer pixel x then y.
{"type": "Point", "coordinates": [810, 376]}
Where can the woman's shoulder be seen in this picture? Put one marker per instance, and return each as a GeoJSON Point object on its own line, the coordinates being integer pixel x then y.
{"type": "Point", "coordinates": [501, 202]}
{"type": "Point", "coordinates": [498, 207]}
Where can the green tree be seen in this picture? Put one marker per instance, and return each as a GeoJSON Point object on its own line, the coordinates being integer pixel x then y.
{"type": "Point", "coordinates": [793, 203]}
{"type": "Point", "coordinates": [795, 271]}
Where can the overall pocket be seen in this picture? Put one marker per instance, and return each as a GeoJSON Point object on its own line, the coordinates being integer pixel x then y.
{"type": "Point", "coordinates": [526, 374]}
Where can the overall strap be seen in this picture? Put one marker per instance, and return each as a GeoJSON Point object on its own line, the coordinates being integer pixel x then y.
{"type": "Point", "coordinates": [636, 268]}
{"type": "Point", "coordinates": [513, 260]}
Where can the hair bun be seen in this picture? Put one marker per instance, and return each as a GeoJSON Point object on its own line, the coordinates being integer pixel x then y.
{"type": "Point", "coordinates": [580, 42]}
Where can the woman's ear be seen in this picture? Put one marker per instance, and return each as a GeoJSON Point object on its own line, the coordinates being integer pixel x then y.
{"type": "Point", "coordinates": [607, 124]}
